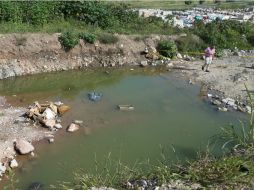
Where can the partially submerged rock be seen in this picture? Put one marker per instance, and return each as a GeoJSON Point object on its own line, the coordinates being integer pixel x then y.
{"type": "Point", "coordinates": [63, 109]}
{"type": "Point", "coordinates": [23, 146]}
{"type": "Point", "coordinates": [73, 127]}
{"type": "Point", "coordinates": [14, 163]}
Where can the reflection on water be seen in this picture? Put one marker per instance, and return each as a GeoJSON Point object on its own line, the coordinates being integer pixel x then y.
{"type": "Point", "coordinates": [169, 118]}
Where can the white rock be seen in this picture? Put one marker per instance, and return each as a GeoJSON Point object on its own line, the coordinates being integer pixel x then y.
{"type": "Point", "coordinates": [170, 65]}
{"type": "Point", "coordinates": [223, 109]}
{"type": "Point", "coordinates": [23, 146]}
{"type": "Point", "coordinates": [58, 126]}
{"type": "Point", "coordinates": [78, 122]}
{"type": "Point", "coordinates": [2, 169]}
{"type": "Point", "coordinates": [179, 56]}
{"type": "Point", "coordinates": [248, 109]}
{"type": "Point", "coordinates": [14, 163]}
{"type": "Point", "coordinates": [209, 95]}
{"type": "Point", "coordinates": [50, 123]}
{"type": "Point", "coordinates": [143, 63]}
{"type": "Point", "coordinates": [51, 140]}
{"type": "Point", "coordinates": [229, 101]}
{"type": "Point", "coordinates": [73, 127]}
{"type": "Point", "coordinates": [49, 114]}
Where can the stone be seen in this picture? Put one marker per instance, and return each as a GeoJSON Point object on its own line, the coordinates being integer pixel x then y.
{"type": "Point", "coordinates": [73, 127]}
{"type": "Point", "coordinates": [23, 146]}
{"type": "Point", "coordinates": [49, 114]}
{"type": "Point", "coordinates": [58, 103]}
{"type": "Point", "coordinates": [209, 95]}
{"type": "Point", "coordinates": [216, 102]}
{"type": "Point", "coordinates": [170, 65]}
{"type": "Point", "coordinates": [14, 163]}
{"type": "Point", "coordinates": [51, 140]}
{"type": "Point", "coordinates": [179, 56]}
{"type": "Point", "coordinates": [50, 123]}
{"type": "Point", "coordinates": [78, 122]}
{"type": "Point", "coordinates": [32, 154]}
{"type": "Point", "coordinates": [224, 109]}
{"type": "Point", "coordinates": [229, 101]}
{"type": "Point", "coordinates": [143, 63]}
{"type": "Point", "coordinates": [63, 108]}
{"type": "Point", "coordinates": [58, 126]}
{"type": "Point", "coordinates": [53, 107]}
{"type": "Point", "coordinates": [248, 109]}
{"type": "Point", "coordinates": [2, 169]}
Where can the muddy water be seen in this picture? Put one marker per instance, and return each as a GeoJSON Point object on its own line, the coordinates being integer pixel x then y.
{"type": "Point", "coordinates": [168, 113]}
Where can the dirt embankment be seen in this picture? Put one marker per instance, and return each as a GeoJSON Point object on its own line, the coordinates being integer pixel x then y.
{"type": "Point", "coordinates": [23, 54]}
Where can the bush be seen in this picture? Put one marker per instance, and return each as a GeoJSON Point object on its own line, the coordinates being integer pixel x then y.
{"type": "Point", "coordinates": [68, 40]}
{"type": "Point", "coordinates": [108, 39]}
{"type": "Point", "coordinates": [190, 43]}
{"type": "Point", "coordinates": [167, 48]}
{"type": "Point", "coordinates": [90, 38]}
{"type": "Point", "coordinates": [250, 39]}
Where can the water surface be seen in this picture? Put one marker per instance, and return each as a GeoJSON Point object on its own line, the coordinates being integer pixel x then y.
{"type": "Point", "coordinates": [170, 117]}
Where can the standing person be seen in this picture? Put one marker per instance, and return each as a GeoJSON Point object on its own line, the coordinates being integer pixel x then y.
{"type": "Point", "coordinates": [209, 55]}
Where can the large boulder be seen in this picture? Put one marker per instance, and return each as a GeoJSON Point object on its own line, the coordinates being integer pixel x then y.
{"type": "Point", "coordinates": [63, 108]}
{"type": "Point", "coordinates": [49, 114]}
{"type": "Point", "coordinates": [50, 123]}
{"type": "Point", "coordinates": [73, 127]}
{"type": "Point", "coordinates": [23, 146]}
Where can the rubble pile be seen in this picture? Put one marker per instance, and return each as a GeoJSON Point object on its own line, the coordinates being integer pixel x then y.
{"type": "Point", "coordinates": [48, 115]}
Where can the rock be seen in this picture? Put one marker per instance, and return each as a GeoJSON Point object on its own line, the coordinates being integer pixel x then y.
{"type": "Point", "coordinates": [209, 95]}
{"type": "Point", "coordinates": [248, 109]}
{"type": "Point", "coordinates": [170, 65]}
{"type": "Point", "coordinates": [14, 163]}
{"type": "Point", "coordinates": [32, 154]}
{"type": "Point", "coordinates": [229, 101]}
{"type": "Point", "coordinates": [58, 103]}
{"type": "Point", "coordinates": [2, 169]}
{"type": "Point", "coordinates": [73, 127]}
{"type": "Point", "coordinates": [51, 140]}
{"type": "Point", "coordinates": [49, 114]}
{"type": "Point", "coordinates": [179, 56]}
{"type": "Point", "coordinates": [224, 109]}
{"type": "Point", "coordinates": [216, 102]}
{"type": "Point", "coordinates": [53, 107]}
{"type": "Point", "coordinates": [240, 108]}
{"type": "Point", "coordinates": [143, 63]}
{"type": "Point", "coordinates": [63, 108]}
{"type": "Point", "coordinates": [23, 146]}
{"type": "Point", "coordinates": [58, 126]}
{"type": "Point", "coordinates": [78, 122]}
{"type": "Point", "coordinates": [50, 123]}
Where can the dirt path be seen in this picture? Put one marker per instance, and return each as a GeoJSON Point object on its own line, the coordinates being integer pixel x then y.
{"type": "Point", "coordinates": [227, 75]}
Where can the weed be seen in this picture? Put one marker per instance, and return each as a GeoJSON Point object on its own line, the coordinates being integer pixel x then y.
{"type": "Point", "coordinates": [68, 40]}
{"type": "Point", "coordinates": [90, 38]}
{"type": "Point", "coordinates": [167, 48]}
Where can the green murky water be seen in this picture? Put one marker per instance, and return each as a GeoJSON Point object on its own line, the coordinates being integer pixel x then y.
{"type": "Point", "coordinates": [168, 113]}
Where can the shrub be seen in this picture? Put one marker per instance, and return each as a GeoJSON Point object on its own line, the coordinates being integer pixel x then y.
{"type": "Point", "coordinates": [167, 48]}
{"type": "Point", "coordinates": [90, 38]}
{"type": "Point", "coordinates": [250, 39]}
{"type": "Point", "coordinates": [68, 40]}
{"type": "Point", "coordinates": [190, 43]}
{"type": "Point", "coordinates": [108, 39]}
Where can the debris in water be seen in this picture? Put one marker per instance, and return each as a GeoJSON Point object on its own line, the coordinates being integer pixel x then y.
{"type": "Point", "coordinates": [94, 96]}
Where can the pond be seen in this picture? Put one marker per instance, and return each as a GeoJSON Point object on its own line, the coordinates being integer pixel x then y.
{"type": "Point", "coordinates": [170, 118]}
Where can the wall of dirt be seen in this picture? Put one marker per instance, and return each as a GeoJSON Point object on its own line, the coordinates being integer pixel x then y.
{"type": "Point", "coordinates": [23, 54]}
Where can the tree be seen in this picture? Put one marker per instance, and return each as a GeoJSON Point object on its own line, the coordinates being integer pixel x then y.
{"type": "Point", "coordinates": [188, 2]}
{"type": "Point", "coordinates": [201, 2]}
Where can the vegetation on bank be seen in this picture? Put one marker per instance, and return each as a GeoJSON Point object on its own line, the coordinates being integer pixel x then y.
{"type": "Point", "coordinates": [96, 20]}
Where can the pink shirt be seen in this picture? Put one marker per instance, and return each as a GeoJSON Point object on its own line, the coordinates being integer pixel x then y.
{"type": "Point", "coordinates": [209, 52]}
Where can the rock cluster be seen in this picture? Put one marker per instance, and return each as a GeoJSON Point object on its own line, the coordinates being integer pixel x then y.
{"type": "Point", "coordinates": [225, 104]}
{"type": "Point", "coordinates": [47, 114]}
